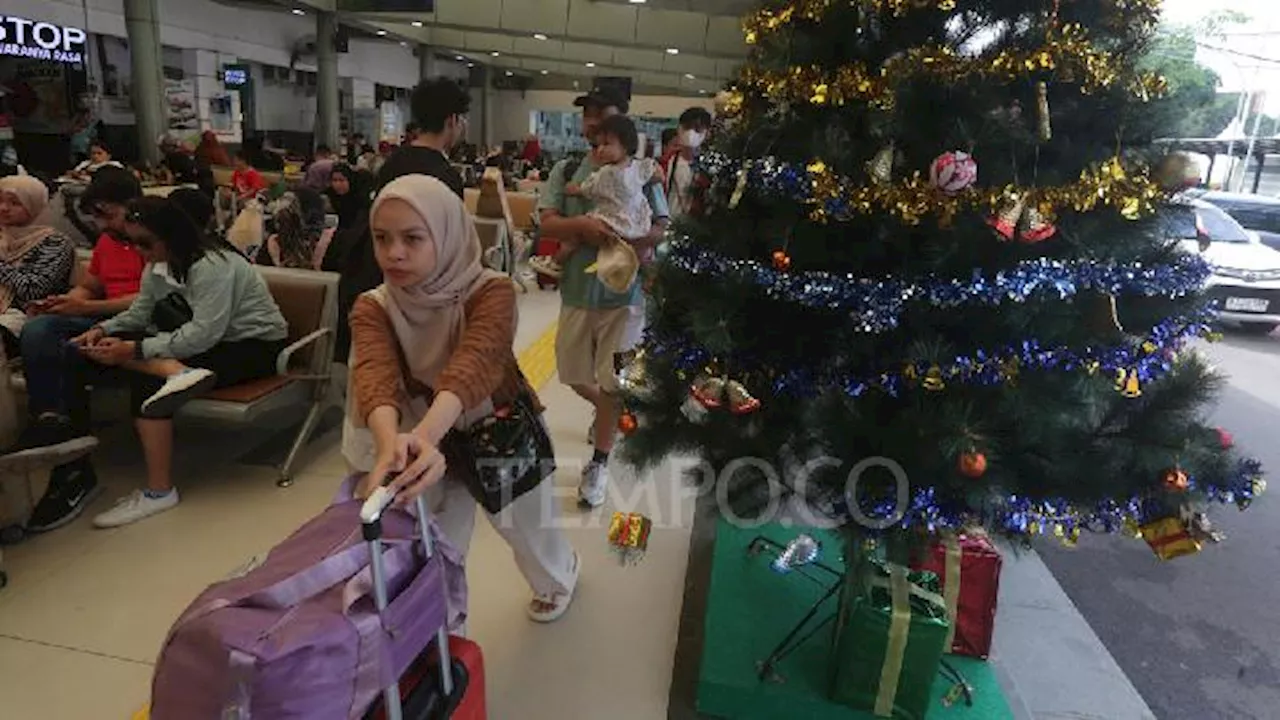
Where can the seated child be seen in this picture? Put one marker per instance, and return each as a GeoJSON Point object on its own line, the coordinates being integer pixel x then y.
{"type": "Point", "coordinates": [616, 193]}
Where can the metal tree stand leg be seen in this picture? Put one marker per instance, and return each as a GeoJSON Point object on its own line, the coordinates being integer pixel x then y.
{"type": "Point", "coordinates": [798, 635]}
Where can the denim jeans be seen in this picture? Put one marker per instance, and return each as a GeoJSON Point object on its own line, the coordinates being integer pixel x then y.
{"type": "Point", "coordinates": [55, 371]}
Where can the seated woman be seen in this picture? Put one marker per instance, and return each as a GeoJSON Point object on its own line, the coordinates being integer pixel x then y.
{"type": "Point", "coordinates": [35, 260]}
{"type": "Point", "coordinates": [348, 195]}
{"type": "Point", "coordinates": [432, 351]}
{"type": "Point", "coordinates": [99, 157]}
{"type": "Point", "coordinates": [301, 239]}
{"type": "Point", "coordinates": [218, 326]}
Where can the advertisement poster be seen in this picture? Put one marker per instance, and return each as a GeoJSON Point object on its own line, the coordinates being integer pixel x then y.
{"type": "Point", "coordinates": [180, 99]}
{"type": "Point", "coordinates": [38, 97]}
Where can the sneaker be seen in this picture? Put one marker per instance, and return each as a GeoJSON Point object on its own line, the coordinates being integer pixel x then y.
{"type": "Point", "coordinates": [45, 442]}
{"type": "Point", "coordinates": [546, 265]}
{"type": "Point", "coordinates": [178, 389]}
{"type": "Point", "coordinates": [134, 507]}
{"type": "Point", "coordinates": [595, 483]}
{"type": "Point", "coordinates": [71, 489]}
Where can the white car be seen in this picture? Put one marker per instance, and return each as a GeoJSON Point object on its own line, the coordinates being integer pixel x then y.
{"type": "Point", "coordinates": [1246, 274]}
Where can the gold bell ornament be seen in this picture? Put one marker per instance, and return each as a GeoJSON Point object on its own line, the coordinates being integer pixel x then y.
{"type": "Point", "coordinates": [1044, 127]}
{"type": "Point", "coordinates": [741, 401]}
{"type": "Point", "coordinates": [880, 166]}
{"type": "Point", "coordinates": [1005, 220]}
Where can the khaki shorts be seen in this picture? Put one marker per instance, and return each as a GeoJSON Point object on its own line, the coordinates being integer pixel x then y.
{"type": "Point", "coordinates": [586, 342]}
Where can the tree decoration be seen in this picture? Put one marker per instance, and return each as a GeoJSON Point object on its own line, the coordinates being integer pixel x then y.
{"type": "Point", "coordinates": [835, 199]}
{"type": "Point", "coordinates": [1007, 215]}
{"type": "Point", "coordinates": [953, 171]}
{"type": "Point", "coordinates": [973, 464]}
{"type": "Point", "coordinates": [763, 23]}
{"type": "Point", "coordinates": [1067, 55]}
{"type": "Point", "coordinates": [1044, 124]}
{"type": "Point", "coordinates": [1170, 538]}
{"type": "Point", "coordinates": [709, 391]}
{"type": "Point", "coordinates": [741, 402]}
{"type": "Point", "coordinates": [1225, 440]}
{"type": "Point", "coordinates": [627, 423]}
{"type": "Point", "coordinates": [781, 260]}
{"type": "Point", "coordinates": [1131, 365]}
{"type": "Point", "coordinates": [877, 303]}
{"type": "Point", "coordinates": [1174, 479]}
{"type": "Point", "coordinates": [880, 166]}
{"type": "Point", "coordinates": [629, 535]}
{"type": "Point", "coordinates": [1034, 227]}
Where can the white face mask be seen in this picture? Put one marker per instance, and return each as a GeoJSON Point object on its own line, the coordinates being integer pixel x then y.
{"type": "Point", "coordinates": [692, 139]}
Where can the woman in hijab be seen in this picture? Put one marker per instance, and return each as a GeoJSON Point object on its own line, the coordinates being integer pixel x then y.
{"type": "Point", "coordinates": [35, 260]}
{"type": "Point", "coordinates": [348, 194]}
{"type": "Point", "coordinates": [300, 239]}
{"type": "Point", "coordinates": [453, 323]}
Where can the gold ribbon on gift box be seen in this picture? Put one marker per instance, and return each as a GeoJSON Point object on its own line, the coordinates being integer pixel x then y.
{"type": "Point", "coordinates": [951, 585]}
{"type": "Point", "coordinates": [900, 591]}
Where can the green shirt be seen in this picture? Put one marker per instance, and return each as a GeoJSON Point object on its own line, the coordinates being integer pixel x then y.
{"type": "Point", "coordinates": [579, 288]}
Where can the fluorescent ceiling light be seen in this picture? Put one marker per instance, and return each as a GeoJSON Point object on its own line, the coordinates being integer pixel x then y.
{"type": "Point", "coordinates": [539, 36]}
{"type": "Point", "coordinates": [704, 92]}
{"type": "Point", "coordinates": [673, 51]}
{"type": "Point", "coordinates": [461, 58]}
{"type": "Point", "coordinates": [591, 64]}
{"type": "Point", "coordinates": [509, 73]}
{"type": "Point", "coordinates": [471, 64]}
{"type": "Point", "coordinates": [638, 2]}
{"type": "Point", "coordinates": [299, 11]}
{"type": "Point", "coordinates": [404, 44]}
{"type": "Point", "coordinates": [382, 32]}
{"type": "Point", "coordinates": [416, 23]}
{"type": "Point", "coordinates": [544, 72]}
{"type": "Point", "coordinates": [495, 53]}
{"type": "Point", "coordinates": [690, 76]}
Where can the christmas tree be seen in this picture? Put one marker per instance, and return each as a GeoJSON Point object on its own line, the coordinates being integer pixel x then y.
{"type": "Point", "coordinates": [934, 232]}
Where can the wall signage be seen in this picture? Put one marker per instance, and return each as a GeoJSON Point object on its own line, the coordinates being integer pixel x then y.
{"type": "Point", "coordinates": [20, 37]}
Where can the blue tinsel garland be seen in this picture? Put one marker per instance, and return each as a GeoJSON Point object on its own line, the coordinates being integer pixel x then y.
{"type": "Point", "coordinates": [876, 305]}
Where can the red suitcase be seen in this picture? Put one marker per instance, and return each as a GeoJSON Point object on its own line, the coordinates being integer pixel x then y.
{"type": "Point", "coordinates": [423, 692]}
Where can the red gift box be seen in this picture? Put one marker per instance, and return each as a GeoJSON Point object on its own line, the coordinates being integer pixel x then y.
{"type": "Point", "coordinates": [968, 567]}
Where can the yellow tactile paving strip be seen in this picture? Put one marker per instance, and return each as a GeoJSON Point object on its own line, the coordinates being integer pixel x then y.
{"type": "Point", "coordinates": [538, 361]}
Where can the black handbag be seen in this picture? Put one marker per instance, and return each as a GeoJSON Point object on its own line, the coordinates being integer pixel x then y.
{"type": "Point", "coordinates": [503, 456]}
{"type": "Point", "coordinates": [171, 312]}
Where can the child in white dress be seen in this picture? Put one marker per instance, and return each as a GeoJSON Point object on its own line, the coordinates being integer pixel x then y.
{"type": "Point", "coordinates": [616, 191]}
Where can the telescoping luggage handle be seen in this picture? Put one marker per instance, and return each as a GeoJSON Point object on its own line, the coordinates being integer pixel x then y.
{"type": "Point", "coordinates": [371, 523]}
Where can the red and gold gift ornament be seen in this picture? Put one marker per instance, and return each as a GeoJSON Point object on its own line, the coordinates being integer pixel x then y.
{"type": "Point", "coordinates": [629, 535]}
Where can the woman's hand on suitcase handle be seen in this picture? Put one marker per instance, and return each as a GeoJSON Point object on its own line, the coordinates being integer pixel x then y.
{"type": "Point", "coordinates": [390, 462]}
{"type": "Point", "coordinates": [426, 468]}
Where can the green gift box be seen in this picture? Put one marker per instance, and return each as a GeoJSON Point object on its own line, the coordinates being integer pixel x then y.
{"type": "Point", "coordinates": [890, 635]}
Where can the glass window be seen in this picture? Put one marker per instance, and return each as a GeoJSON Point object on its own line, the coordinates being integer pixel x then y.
{"type": "Point", "coordinates": [1220, 227]}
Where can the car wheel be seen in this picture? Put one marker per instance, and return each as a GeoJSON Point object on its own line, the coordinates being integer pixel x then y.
{"type": "Point", "coordinates": [1258, 328]}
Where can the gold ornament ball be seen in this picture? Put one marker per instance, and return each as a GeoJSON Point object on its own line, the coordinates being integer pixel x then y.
{"type": "Point", "coordinates": [627, 423]}
{"type": "Point", "coordinates": [781, 260]}
{"type": "Point", "coordinates": [1174, 479]}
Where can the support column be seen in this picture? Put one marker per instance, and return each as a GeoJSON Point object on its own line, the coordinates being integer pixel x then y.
{"type": "Point", "coordinates": [428, 66]}
{"type": "Point", "coordinates": [142, 22]}
{"type": "Point", "coordinates": [327, 120]}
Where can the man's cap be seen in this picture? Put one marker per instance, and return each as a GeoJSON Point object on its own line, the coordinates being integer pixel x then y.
{"type": "Point", "coordinates": [604, 97]}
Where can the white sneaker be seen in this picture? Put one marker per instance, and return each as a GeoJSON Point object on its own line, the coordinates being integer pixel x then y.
{"type": "Point", "coordinates": [134, 507]}
{"type": "Point", "coordinates": [595, 483]}
{"type": "Point", "coordinates": [178, 389]}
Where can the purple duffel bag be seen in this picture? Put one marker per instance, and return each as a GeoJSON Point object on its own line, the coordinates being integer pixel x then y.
{"type": "Point", "coordinates": [299, 636]}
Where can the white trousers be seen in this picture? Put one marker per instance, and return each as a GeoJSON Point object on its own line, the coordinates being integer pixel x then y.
{"type": "Point", "coordinates": [528, 525]}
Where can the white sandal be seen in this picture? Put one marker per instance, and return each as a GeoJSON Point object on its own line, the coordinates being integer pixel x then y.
{"type": "Point", "coordinates": [556, 604]}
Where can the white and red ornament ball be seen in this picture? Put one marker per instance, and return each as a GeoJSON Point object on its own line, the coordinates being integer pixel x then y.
{"type": "Point", "coordinates": [953, 172]}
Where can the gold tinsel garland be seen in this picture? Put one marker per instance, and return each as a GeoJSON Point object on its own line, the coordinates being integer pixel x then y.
{"type": "Point", "coordinates": [1130, 191]}
{"type": "Point", "coordinates": [1143, 13]}
{"type": "Point", "coordinates": [1067, 54]}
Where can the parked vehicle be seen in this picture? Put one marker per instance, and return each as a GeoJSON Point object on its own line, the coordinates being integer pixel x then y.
{"type": "Point", "coordinates": [1246, 273]}
{"type": "Point", "coordinates": [1258, 213]}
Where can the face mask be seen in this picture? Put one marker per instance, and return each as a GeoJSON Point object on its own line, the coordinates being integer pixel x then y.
{"type": "Point", "coordinates": [692, 139]}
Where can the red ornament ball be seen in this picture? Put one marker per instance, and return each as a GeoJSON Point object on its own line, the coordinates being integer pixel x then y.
{"type": "Point", "coordinates": [973, 464]}
{"type": "Point", "coordinates": [781, 260]}
{"type": "Point", "coordinates": [1225, 440]}
{"type": "Point", "coordinates": [627, 423]}
{"type": "Point", "coordinates": [1174, 479]}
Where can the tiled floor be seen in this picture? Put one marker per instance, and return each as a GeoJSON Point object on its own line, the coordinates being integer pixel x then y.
{"type": "Point", "coordinates": [86, 610]}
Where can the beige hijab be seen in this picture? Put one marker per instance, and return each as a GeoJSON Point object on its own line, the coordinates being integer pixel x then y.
{"type": "Point", "coordinates": [429, 318]}
{"type": "Point", "coordinates": [17, 241]}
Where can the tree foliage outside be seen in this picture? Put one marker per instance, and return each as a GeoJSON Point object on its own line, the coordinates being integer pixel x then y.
{"type": "Point", "coordinates": [871, 314]}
